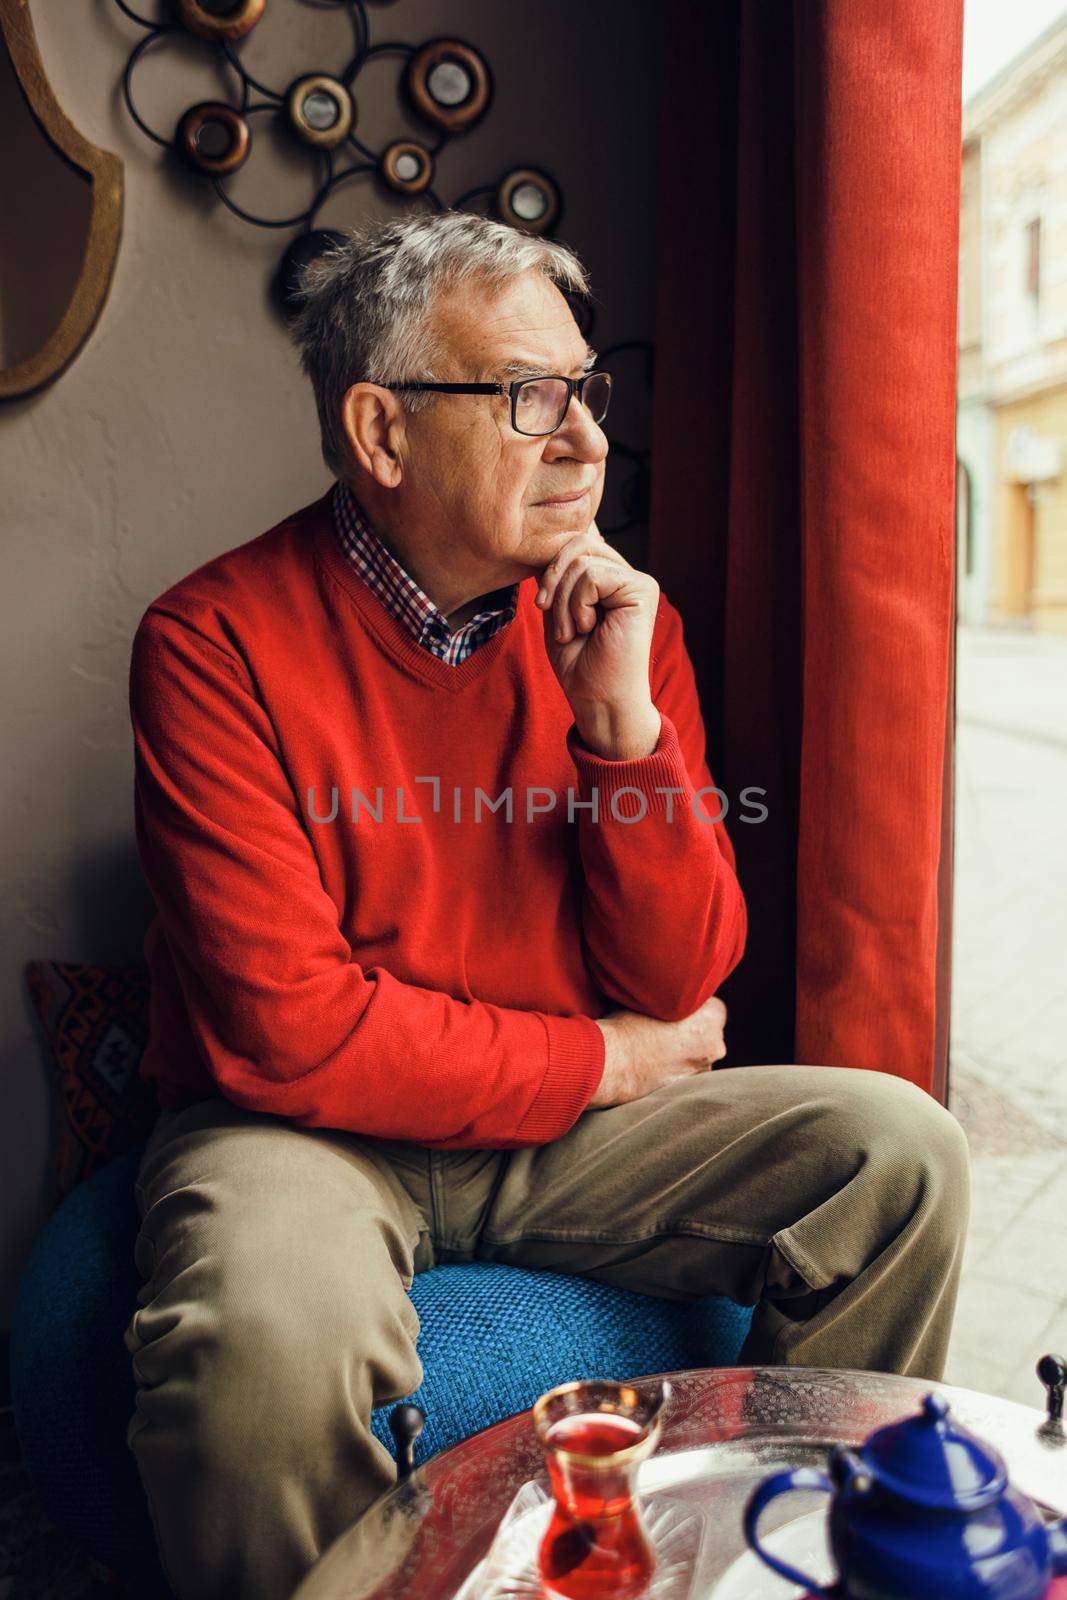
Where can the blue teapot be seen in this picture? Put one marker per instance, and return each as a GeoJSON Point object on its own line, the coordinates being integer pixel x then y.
{"type": "Point", "coordinates": [923, 1508]}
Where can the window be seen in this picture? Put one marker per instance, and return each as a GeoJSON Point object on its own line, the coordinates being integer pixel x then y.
{"type": "Point", "coordinates": [1032, 257]}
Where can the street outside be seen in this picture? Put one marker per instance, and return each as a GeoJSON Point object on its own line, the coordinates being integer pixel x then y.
{"type": "Point", "coordinates": [1008, 1080]}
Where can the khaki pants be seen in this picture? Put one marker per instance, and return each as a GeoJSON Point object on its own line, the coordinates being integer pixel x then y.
{"type": "Point", "coordinates": [274, 1317]}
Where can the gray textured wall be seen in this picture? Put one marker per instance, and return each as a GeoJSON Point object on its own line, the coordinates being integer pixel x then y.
{"type": "Point", "coordinates": [185, 426]}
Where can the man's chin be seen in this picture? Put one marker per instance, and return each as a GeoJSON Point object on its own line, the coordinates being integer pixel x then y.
{"type": "Point", "coordinates": [543, 535]}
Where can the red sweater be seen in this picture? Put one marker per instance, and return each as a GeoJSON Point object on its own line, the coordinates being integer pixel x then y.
{"type": "Point", "coordinates": [432, 980]}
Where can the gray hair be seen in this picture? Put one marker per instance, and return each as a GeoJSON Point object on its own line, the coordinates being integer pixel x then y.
{"type": "Point", "coordinates": [361, 306]}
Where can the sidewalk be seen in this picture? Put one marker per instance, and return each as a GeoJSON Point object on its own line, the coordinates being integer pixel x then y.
{"type": "Point", "coordinates": [1008, 1083]}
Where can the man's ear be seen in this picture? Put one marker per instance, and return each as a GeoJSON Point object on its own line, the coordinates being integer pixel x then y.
{"type": "Point", "coordinates": [374, 424]}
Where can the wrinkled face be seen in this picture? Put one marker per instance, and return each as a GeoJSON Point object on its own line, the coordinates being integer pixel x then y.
{"type": "Point", "coordinates": [485, 488]}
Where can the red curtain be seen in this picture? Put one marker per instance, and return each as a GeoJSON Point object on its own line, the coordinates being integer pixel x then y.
{"type": "Point", "coordinates": [803, 496]}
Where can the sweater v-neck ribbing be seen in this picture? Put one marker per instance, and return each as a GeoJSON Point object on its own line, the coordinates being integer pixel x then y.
{"type": "Point", "coordinates": [390, 631]}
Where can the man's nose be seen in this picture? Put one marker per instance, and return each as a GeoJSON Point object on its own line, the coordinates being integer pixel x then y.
{"type": "Point", "coordinates": [578, 435]}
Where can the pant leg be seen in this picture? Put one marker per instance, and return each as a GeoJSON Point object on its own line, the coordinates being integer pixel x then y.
{"type": "Point", "coordinates": [273, 1318]}
{"type": "Point", "coordinates": [834, 1200]}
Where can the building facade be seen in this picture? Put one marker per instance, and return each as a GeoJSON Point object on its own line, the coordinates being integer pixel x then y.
{"type": "Point", "coordinates": [1011, 428]}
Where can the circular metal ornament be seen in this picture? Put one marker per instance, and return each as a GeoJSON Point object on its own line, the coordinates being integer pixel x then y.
{"type": "Point", "coordinates": [449, 84]}
{"type": "Point", "coordinates": [213, 138]}
{"type": "Point", "coordinates": [219, 20]}
{"type": "Point", "coordinates": [320, 109]}
{"type": "Point", "coordinates": [528, 198]}
{"type": "Point", "coordinates": [407, 167]}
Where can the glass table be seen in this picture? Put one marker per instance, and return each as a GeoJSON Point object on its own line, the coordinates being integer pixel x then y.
{"type": "Point", "coordinates": [439, 1533]}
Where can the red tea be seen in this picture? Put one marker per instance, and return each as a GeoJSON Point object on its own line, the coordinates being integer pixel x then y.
{"type": "Point", "coordinates": [596, 1544]}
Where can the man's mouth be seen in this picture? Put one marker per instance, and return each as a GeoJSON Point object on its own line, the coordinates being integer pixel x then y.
{"type": "Point", "coordinates": [564, 499]}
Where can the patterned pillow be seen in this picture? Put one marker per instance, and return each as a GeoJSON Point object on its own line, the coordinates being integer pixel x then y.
{"type": "Point", "coordinates": [95, 1020]}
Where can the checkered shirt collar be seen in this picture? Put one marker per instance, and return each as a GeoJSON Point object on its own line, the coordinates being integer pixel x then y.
{"type": "Point", "coordinates": [401, 595]}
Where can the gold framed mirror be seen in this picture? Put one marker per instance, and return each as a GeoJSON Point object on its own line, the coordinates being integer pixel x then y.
{"type": "Point", "coordinates": [60, 218]}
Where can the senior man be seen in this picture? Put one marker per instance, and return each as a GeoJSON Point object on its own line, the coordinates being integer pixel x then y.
{"type": "Point", "coordinates": [441, 918]}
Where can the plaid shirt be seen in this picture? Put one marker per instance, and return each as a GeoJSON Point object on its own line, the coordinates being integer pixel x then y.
{"type": "Point", "coordinates": [401, 595]}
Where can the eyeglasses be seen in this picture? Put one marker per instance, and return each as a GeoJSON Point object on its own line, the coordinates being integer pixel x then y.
{"type": "Point", "coordinates": [538, 405]}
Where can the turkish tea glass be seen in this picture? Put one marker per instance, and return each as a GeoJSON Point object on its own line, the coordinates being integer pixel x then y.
{"type": "Point", "coordinates": [595, 1436]}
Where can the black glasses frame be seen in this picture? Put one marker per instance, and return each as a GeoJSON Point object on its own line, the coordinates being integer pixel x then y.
{"type": "Point", "coordinates": [575, 386]}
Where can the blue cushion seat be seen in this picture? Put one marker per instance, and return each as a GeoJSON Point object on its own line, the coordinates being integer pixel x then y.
{"type": "Point", "coordinates": [493, 1338]}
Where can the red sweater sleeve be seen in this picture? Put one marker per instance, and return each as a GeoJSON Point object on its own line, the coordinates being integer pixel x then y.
{"type": "Point", "coordinates": [664, 919]}
{"type": "Point", "coordinates": [286, 1021]}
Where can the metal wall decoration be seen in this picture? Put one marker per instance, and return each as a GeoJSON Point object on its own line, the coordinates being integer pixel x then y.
{"type": "Point", "coordinates": [445, 82]}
